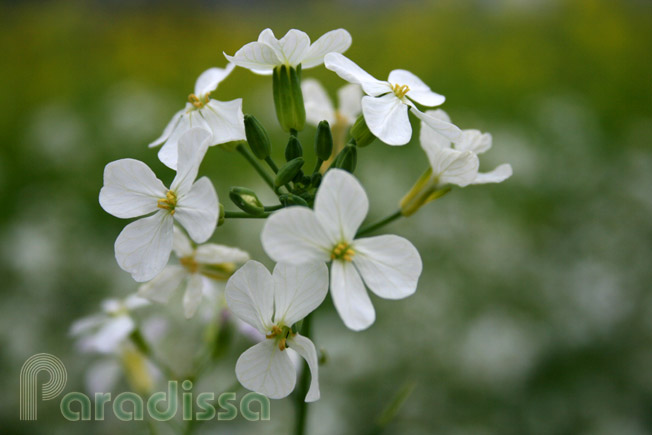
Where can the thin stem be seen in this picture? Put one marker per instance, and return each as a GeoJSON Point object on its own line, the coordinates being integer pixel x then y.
{"type": "Point", "coordinates": [302, 388]}
{"type": "Point", "coordinates": [243, 215]}
{"type": "Point", "coordinates": [271, 164]}
{"type": "Point", "coordinates": [257, 166]}
{"type": "Point", "coordinates": [318, 164]}
{"type": "Point", "coordinates": [369, 228]}
{"type": "Point", "coordinates": [273, 207]}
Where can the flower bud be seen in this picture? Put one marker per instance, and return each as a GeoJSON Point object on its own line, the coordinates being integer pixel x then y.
{"type": "Point", "coordinates": [288, 199]}
{"type": "Point", "coordinates": [288, 171]}
{"type": "Point", "coordinates": [288, 98]}
{"type": "Point", "coordinates": [361, 133]}
{"type": "Point", "coordinates": [315, 180]}
{"type": "Point", "coordinates": [293, 149]}
{"type": "Point", "coordinates": [346, 159]}
{"type": "Point", "coordinates": [257, 137]}
{"type": "Point", "coordinates": [246, 200]}
{"type": "Point", "coordinates": [323, 141]}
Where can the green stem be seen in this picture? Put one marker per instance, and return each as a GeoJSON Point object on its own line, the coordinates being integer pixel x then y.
{"type": "Point", "coordinates": [273, 207]}
{"type": "Point", "coordinates": [243, 215]}
{"type": "Point", "coordinates": [271, 164]}
{"type": "Point", "coordinates": [302, 387]}
{"type": "Point", "coordinates": [318, 164]}
{"type": "Point", "coordinates": [257, 166]}
{"type": "Point", "coordinates": [369, 228]}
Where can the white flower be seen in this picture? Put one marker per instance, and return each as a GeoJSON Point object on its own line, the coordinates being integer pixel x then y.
{"type": "Point", "coordinates": [197, 267]}
{"type": "Point", "coordinates": [458, 163]}
{"type": "Point", "coordinates": [389, 265]}
{"type": "Point", "coordinates": [385, 107]}
{"type": "Point", "coordinates": [319, 106]}
{"type": "Point", "coordinates": [131, 189]}
{"type": "Point", "coordinates": [262, 56]}
{"type": "Point", "coordinates": [105, 332]}
{"type": "Point", "coordinates": [224, 120]}
{"type": "Point", "coordinates": [272, 304]}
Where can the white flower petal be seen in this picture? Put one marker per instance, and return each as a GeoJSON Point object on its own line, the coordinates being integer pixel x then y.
{"type": "Point", "coordinates": [298, 290]}
{"type": "Point", "coordinates": [267, 370]}
{"type": "Point", "coordinates": [130, 189]}
{"type": "Point", "coordinates": [474, 140]}
{"type": "Point", "coordinates": [294, 46]}
{"type": "Point", "coordinates": [250, 295]}
{"type": "Point", "coordinates": [318, 104]}
{"type": "Point", "coordinates": [350, 100]}
{"type": "Point", "coordinates": [335, 41]}
{"type": "Point", "coordinates": [193, 295]}
{"type": "Point", "coordinates": [387, 119]}
{"type": "Point", "coordinates": [198, 210]}
{"type": "Point", "coordinates": [390, 265]}
{"type": "Point", "coordinates": [108, 337]}
{"type": "Point", "coordinates": [208, 80]}
{"type": "Point", "coordinates": [419, 91]}
{"type": "Point", "coordinates": [211, 253]}
{"type": "Point", "coordinates": [164, 284]}
{"type": "Point", "coordinates": [452, 166]}
{"type": "Point", "coordinates": [351, 72]}
{"type": "Point", "coordinates": [192, 149]}
{"type": "Point", "coordinates": [256, 56]}
{"type": "Point", "coordinates": [168, 129]}
{"type": "Point", "coordinates": [304, 347]}
{"type": "Point", "coordinates": [133, 302]}
{"type": "Point", "coordinates": [500, 174]}
{"type": "Point", "coordinates": [225, 120]}
{"type": "Point", "coordinates": [446, 129]}
{"type": "Point", "coordinates": [86, 324]}
{"type": "Point", "coordinates": [341, 205]}
{"type": "Point", "coordinates": [181, 244]}
{"type": "Point", "coordinates": [294, 235]}
{"type": "Point", "coordinates": [267, 37]}
{"type": "Point", "coordinates": [143, 247]}
{"type": "Point", "coordinates": [430, 137]}
{"type": "Point", "coordinates": [350, 296]}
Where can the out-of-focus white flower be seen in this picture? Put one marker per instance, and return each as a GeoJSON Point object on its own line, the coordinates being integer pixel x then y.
{"type": "Point", "coordinates": [197, 267]}
{"type": "Point", "coordinates": [293, 49]}
{"type": "Point", "coordinates": [131, 189]}
{"type": "Point", "coordinates": [223, 120]}
{"type": "Point", "coordinates": [457, 163]}
{"type": "Point", "coordinates": [272, 303]}
{"type": "Point", "coordinates": [106, 331]}
{"type": "Point", "coordinates": [319, 106]}
{"type": "Point", "coordinates": [385, 107]}
{"type": "Point", "coordinates": [389, 265]}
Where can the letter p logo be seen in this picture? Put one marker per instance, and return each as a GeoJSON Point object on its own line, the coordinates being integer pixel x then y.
{"type": "Point", "coordinates": [29, 378]}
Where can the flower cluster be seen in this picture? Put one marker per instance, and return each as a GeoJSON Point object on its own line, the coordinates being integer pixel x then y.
{"type": "Point", "coordinates": [316, 233]}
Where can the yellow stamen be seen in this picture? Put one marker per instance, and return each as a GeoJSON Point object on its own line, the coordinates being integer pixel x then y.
{"type": "Point", "coordinates": [281, 334]}
{"type": "Point", "coordinates": [195, 101]}
{"type": "Point", "coordinates": [342, 251]}
{"type": "Point", "coordinates": [400, 90]}
{"type": "Point", "coordinates": [169, 202]}
{"type": "Point", "coordinates": [189, 263]}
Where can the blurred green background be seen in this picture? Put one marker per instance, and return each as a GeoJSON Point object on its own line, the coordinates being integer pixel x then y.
{"type": "Point", "coordinates": [533, 314]}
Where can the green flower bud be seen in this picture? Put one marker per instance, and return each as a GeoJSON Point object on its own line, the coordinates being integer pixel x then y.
{"type": "Point", "coordinates": [257, 137]}
{"type": "Point", "coordinates": [346, 159]}
{"type": "Point", "coordinates": [288, 171]}
{"type": "Point", "coordinates": [288, 98]}
{"type": "Point", "coordinates": [360, 132]}
{"type": "Point", "coordinates": [288, 199]}
{"type": "Point", "coordinates": [293, 149]}
{"type": "Point", "coordinates": [315, 180]}
{"type": "Point", "coordinates": [246, 200]}
{"type": "Point", "coordinates": [220, 218]}
{"type": "Point", "coordinates": [323, 141]}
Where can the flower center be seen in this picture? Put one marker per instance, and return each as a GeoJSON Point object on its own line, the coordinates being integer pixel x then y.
{"type": "Point", "coordinates": [169, 202]}
{"type": "Point", "coordinates": [280, 334]}
{"type": "Point", "coordinates": [400, 90]}
{"type": "Point", "coordinates": [198, 102]}
{"type": "Point", "coordinates": [189, 263]}
{"type": "Point", "coordinates": [342, 251]}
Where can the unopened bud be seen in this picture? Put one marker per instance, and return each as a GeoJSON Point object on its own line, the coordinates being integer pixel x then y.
{"type": "Point", "coordinates": [246, 200]}
{"type": "Point", "coordinates": [293, 149]}
{"type": "Point", "coordinates": [288, 199]}
{"type": "Point", "coordinates": [257, 137]}
{"type": "Point", "coordinates": [288, 171]}
{"type": "Point", "coordinates": [346, 159]}
{"type": "Point", "coordinates": [323, 141]}
{"type": "Point", "coordinates": [361, 133]}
